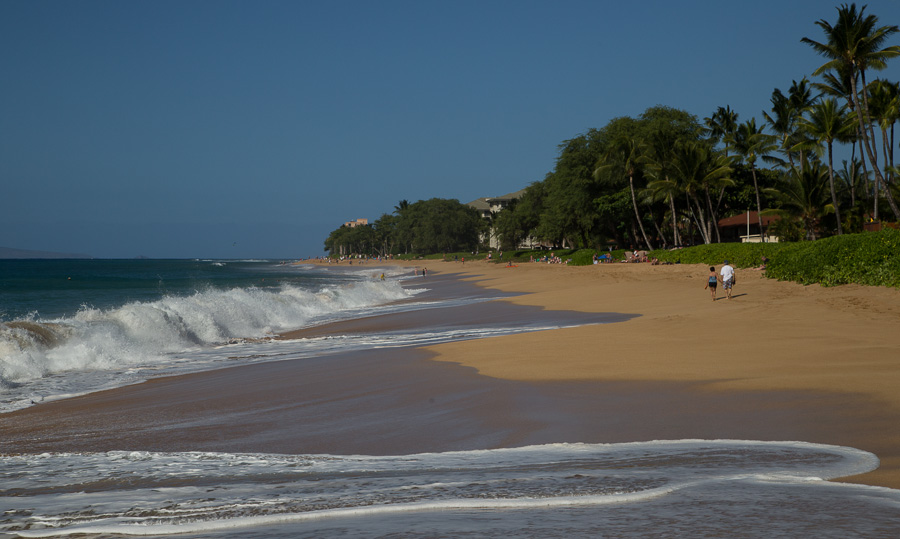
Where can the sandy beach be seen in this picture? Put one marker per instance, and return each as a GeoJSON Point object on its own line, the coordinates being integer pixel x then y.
{"type": "Point", "coordinates": [836, 350]}
{"type": "Point", "coordinates": [779, 361]}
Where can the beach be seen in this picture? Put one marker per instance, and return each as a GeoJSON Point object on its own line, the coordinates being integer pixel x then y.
{"type": "Point", "coordinates": [779, 361]}
{"type": "Point", "coordinates": [808, 363]}
{"type": "Point", "coordinates": [618, 384]}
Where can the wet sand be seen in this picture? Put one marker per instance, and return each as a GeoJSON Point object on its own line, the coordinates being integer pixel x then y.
{"type": "Point", "coordinates": [777, 362]}
{"type": "Point", "coordinates": [840, 343]}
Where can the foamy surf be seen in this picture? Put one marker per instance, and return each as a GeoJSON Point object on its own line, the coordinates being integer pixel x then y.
{"type": "Point", "coordinates": [98, 348]}
{"type": "Point", "coordinates": [193, 323]}
{"type": "Point", "coordinates": [590, 487]}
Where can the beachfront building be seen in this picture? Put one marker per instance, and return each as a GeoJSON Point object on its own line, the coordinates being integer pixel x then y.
{"type": "Point", "coordinates": [488, 207]}
{"type": "Point", "coordinates": [358, 222]}
{"type": "Point", "coordinates": [744, 228]}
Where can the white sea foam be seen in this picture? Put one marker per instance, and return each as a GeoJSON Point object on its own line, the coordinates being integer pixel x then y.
{"type": "Point", "coordinates": [721, 484]}
{"type": "Point", "coordinates": [153, 334]}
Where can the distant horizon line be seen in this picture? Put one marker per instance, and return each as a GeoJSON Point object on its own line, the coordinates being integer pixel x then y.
{"type": "Point", "coordinates": [12, 253]}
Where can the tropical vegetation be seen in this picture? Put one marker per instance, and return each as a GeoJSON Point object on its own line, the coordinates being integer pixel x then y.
{"type": "Point", "coordinates": [665, 178]}
{"type": "Point", "coordinates": [427, 226]}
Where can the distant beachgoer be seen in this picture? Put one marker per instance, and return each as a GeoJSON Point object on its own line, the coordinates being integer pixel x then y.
{"type": "Point", "coordinates": [382, 276]}
{"type": "Point", "coordinates": [424, 271]}
{"type": "Point", "coordinates": [727, 273]}
{"type": "Point", "coordinates": [712, 282]}
{"type": "Point", "coordinates": [463, 261]}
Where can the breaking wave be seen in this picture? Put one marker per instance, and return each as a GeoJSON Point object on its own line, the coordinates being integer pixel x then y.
{"type": "Point", "coordinates": [139, 333]}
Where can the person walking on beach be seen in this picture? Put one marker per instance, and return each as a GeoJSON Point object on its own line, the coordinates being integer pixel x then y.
{"type": "Point", "coordinates": [727, 273]}
{"type": "Point", "coordinates": [712, 282]}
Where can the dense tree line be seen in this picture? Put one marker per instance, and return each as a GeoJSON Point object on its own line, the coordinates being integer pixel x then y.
{"type": "Point", "coordinates": [427, 226]}
{"type": "Point", "coordinates": [666, 178]}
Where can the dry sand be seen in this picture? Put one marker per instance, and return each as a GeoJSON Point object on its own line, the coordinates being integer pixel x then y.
{"type": "Point", "coordinates": [841, 344]}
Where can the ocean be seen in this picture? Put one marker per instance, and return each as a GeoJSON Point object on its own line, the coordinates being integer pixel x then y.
{"type": "Point", "coordinates": [74, 327]}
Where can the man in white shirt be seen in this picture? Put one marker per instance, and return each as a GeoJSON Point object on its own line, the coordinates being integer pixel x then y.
{"type": "Point", "coordinates": [727, 273]}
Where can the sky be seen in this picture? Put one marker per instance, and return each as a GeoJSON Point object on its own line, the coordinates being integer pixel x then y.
{"type": "Point", "coordinates": [252, 129]}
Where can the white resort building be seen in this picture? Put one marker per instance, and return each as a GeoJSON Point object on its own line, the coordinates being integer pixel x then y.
{"type": "Point", "coordinates": [488, 207]}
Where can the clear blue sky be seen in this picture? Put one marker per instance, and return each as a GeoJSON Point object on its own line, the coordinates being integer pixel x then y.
{"type": "Point", "coordinates": [252, 129]}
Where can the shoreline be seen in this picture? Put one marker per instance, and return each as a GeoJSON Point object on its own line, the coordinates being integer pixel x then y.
{"type": "Point", "coordinates": [779, 362]}
{"type": "Point", "coordinates": [838, 343]}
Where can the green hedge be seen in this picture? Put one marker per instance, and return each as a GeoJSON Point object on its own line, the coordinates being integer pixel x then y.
{"type": "Point", "coordinates": [740, 255]}
{"type": "Point", "coordinates": [869, 258]}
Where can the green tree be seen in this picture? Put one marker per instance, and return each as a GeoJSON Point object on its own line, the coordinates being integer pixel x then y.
{"type": "Point", "coordinates": [854, 44]}
{"type": "Point", "coordinates": [751, 143]}
{"type": "Point", "coordinates": [804, 196]}
{"type": "Point", "coordinates": [349, 240]}
{"type": "Point", "coordinates": [568, 209]}
{"type": "Point", "coordinates": [699, 168]}
{"type": "Point", "coordinates": [386, 233]}
{"type": "Point", "coordinates": [403, 227]}
{"type": "Point", "coordinates": [443, 225]}
{"type": "Point", "coordinates": [853, 176]}
{"type": "Point", "coordinates": [837, 84]}
{"type": "Point", "coordinates": [623, 159]}
{"type": "Point", "coordinates": [722, 125]}
{"type": "Point", "coordinates": [884, 106]}
{"type": "Point", "coordinates": [520, 220]}
{"type": "Point", "coordinates": [827, 122]}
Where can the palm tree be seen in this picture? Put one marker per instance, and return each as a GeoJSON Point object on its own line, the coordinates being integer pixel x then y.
{"type": "Point", "coordinates": [801, 99]}
{"type": "Point", "coordinates": [787, 111]}
{"type": "Point", "coordinates": [828, 122]}
{"type": "Point", "coordinates": [699, 168]}
{"type": "Point", "coordinates": [404, 226]}
{"type": "Point", "coordinates": [721, 125]}
{"type": "Point", "coordinates": [854, 44]}
{"type": "Point", "coordinates": [657, 161]}
{"type": "Point", "coordinates": [664, 189]}
{"type": "Point", "coordinates": [402, 206]}
{"type": "Point", "coordinates": [750, 144]}
{"type": "Point", "coordinates": [625, 157]}
{"type": "Point", "coordinates": [782, 121]}
{"type": "Point", "coordinates": [884, 106]}
{"type": "Point", "coordinates": [854, 177]}
{"type": "Point", "coordinates": [838, 85]}
{"type": "Point", "coordinates": [804, 196]}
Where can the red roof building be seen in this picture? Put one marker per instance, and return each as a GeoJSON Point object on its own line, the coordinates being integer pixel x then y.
{"type": "Point", "coordinates": [744, 227]}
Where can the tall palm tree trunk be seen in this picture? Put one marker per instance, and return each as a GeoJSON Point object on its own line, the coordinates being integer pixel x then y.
{"type": "Point", "coordinates": [762, 235]}
{"type": "Point", "coordinates": [675, 238]}
{"type": "Point", "coordinates": [834, 200]}
{"type": "Point", "coordinates": [873, 158]}
{"type": "Point", "coordinates": [713, 219]}
{"type": "Point", "coordinates": [702, 223]}
{"type": "Point", "coordinates": [637, 214]}
{"type": "Point", "coordinates": [660, 234]}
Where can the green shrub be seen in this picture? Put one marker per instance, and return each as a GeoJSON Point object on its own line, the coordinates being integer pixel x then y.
{"type": "Point", "coordinates": [869, 258]}
{"type": "Point", "coordinates": [740, 255]}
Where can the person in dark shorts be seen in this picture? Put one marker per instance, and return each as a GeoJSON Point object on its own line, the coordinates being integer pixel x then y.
{"type": "Point", "coordinates": [712, 282]}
